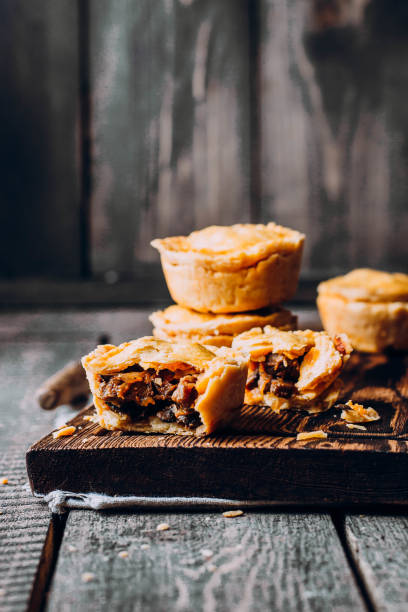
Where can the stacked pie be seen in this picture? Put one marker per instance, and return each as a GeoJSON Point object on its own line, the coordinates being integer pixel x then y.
{"type": "Point", "coordinates": [227, 280]}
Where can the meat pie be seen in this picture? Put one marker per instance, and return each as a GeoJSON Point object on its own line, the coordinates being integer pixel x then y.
{"type": "Point", "coordinates": [151, 385]}
{"type": "Point", "coordinates": [292, 369]}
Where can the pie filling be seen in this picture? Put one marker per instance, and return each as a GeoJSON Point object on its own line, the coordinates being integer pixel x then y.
{"type": "Point", "coordinates": [276, 374]}
{"type": "Point", "coordinates": [168, 395]}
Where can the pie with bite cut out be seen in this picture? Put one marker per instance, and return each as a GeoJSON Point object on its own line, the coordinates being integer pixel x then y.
{"type": "Point", "coordinates": [151, 385]}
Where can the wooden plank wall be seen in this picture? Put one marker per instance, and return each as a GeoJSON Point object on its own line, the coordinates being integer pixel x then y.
{"type": "Point", "coordinates": [39, 186]}
{"type": "Point", "coordinates": [127, 120]}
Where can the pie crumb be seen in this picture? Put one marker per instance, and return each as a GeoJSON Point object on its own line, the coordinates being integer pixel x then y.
{"type": "Point", "coordinates": [87, 417]}
{"type": "Point", "coordinates": [211, 567]}
{"type": "Point", "coordinates": [65, 431]}
{"type": "Point", "coordinates": [356, 413]}
{"type": "Point", "coordinates": [311, 435]}
{"type": "Point", "coordinates": [144, 546]}
{"type": "Point", "coordinates": [3, 481]}
{"type": "Point", "coordinates": [162, 527]}
{"type": "Point", "coordinates": [123, 554]}
{"type": "Point", "coordinates": [232, 513]}
{"type": "Point", "coordinates": [354, 426]}
{"type": "Point", "coordinates": [87, 577]}
{"type": "Point", "coordinates": [71, 548]}
{"type": "Point", "coordinates": [207, 554]}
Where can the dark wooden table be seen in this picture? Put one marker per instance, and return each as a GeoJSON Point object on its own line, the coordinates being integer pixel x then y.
{"type": "Point", "coordinates": [284, 559]}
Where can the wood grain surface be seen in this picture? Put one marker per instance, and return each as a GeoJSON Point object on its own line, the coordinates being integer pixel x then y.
{"type": "Point", "coordinates": [287, 559]}
{"type": "Point", "coordinates": [374, 542]}
{"type": "Point", "coordinates": [23, 522]}
{"type": "Point", "coordinates": [331, 77]}
{"type": "Point", "coordinates": [257, 561]}
{"type": "Point", "coordinates": [270, 464]}
{"type": "Point", "coordinates": [170, 124]}
{"type": "Point", "coordinates": [39, 179]}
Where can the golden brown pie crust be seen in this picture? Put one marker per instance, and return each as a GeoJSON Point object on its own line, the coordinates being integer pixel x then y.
{"type": "Point", "coordinates": [220, 383]}
{"type": "Point", "coordinates": [176, 322]}
{"type": "Point", "coordinates": [232, 269]}
{"type": "Point", "coordinates": [370, 306]}
{"type": "Point", "coordinates": [320, 361]}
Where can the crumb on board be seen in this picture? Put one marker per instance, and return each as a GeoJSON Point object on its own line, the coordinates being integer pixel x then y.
{"type": "Point", "coordinates": [232, 513]}
{"type": "Point", "coordinates": [162, 527]}
{"type": "Point", "coordinates": [88, 417]}
{"type": "Point", "coordinates": [354, 426]}
{"type": "Point", "coordinates": [3, 481]}
{"type": "Point", "coordinates": [311, 435]}
{"type": "Point", "coordinates": [65, 431]}
{"type": "Point", "coordinates": [123, 554]}
{"type": "Point", "coordinates": [356, 413]}
{"type": "Point", "coordinates": [87, 577]}
{"type": "Point", "coordinates": [144, 546]}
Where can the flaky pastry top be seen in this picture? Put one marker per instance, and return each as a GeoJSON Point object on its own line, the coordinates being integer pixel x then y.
{"type": "Point", "coordinates": [367, 285]}
{"type": "Point", "coordinates": [239, 245]}
{"type": "Point", "coordinates": [176, 319]}
{"type": "Point", "coordinates": [257, 342]}
{"type": "Point", "coordinates": [147, 352]}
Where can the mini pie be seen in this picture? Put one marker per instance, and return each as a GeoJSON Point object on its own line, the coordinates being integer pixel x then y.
{"type": "Point", "coordinates": [232, 269]}
{"type": "Point", "coordinates": [292, 369]}
{"type": "Point", "coordinates": [176, 322]}
{"type": "Point", "coordinates": [151, 385]}
{"type": "Point", "coordinates": [370, 306]}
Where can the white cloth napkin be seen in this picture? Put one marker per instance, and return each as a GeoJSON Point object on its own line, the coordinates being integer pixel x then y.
{"type": "Point", "coordinates": [61, 501]}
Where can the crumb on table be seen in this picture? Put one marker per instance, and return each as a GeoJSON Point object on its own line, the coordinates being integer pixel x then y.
{"type": "Point", "coordinates": [162, 527]}
{"type": "Point", "coordinates": [232, 513]}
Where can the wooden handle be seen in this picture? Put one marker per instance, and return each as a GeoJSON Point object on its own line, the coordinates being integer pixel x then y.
{"type": "Point", "coordinates": [64, 387]}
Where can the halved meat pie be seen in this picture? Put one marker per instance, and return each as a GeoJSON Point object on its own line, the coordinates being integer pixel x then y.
{"type": "Point", "coordinates": [293, 369]}
{"type": "Point", "coordinates": [151, 385]}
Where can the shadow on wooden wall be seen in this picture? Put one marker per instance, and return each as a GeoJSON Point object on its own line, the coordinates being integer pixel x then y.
{"type": "Point", "coordinates": [127, 120]}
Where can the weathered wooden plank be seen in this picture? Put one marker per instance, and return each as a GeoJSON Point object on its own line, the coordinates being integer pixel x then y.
{"type": "Point", "coordinates": [73, 326]}
{"type": "Point", "coordinates": [170, 109]}
{"type": "Point", "coordinates": [332, 129]}
{"type": "Point", "coordinates": [206, 562]}
{"type": "Point", "coordinates": [23, 521]}
{"type": "Point", "coordinates": [379, 547]}
{"type": "Point", "coordinates": [39, 195]}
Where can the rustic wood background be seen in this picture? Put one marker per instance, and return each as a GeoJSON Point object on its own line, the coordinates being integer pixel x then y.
{"type": "Point", "coordinates": [123, 120]}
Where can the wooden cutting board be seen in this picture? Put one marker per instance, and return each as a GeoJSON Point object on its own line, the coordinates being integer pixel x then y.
{"type": "Point", "coordinates": [260, 459]}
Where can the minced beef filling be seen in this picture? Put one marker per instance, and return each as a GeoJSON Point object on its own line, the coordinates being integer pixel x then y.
{"type": "Point", "coordinates": [168, 395]}
{"type": "Point", "coordinates": [277, 374]}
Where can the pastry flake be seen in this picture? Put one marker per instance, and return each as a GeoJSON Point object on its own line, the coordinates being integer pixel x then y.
{"type": "Point", "coordinates": [370, 306]}
{"type": "Point", "coordinates": [178, 323]}
{"type": "Point", "coordinates": [292, 369]}
{"type": "Point", "coordinates": [151, 385]}
{"type": "Point", "coordinates": [356, 413]}
{"type": "Point", "coordinates": [232, 269]}
{"type": "Point", "coordinates": [318, 434]}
